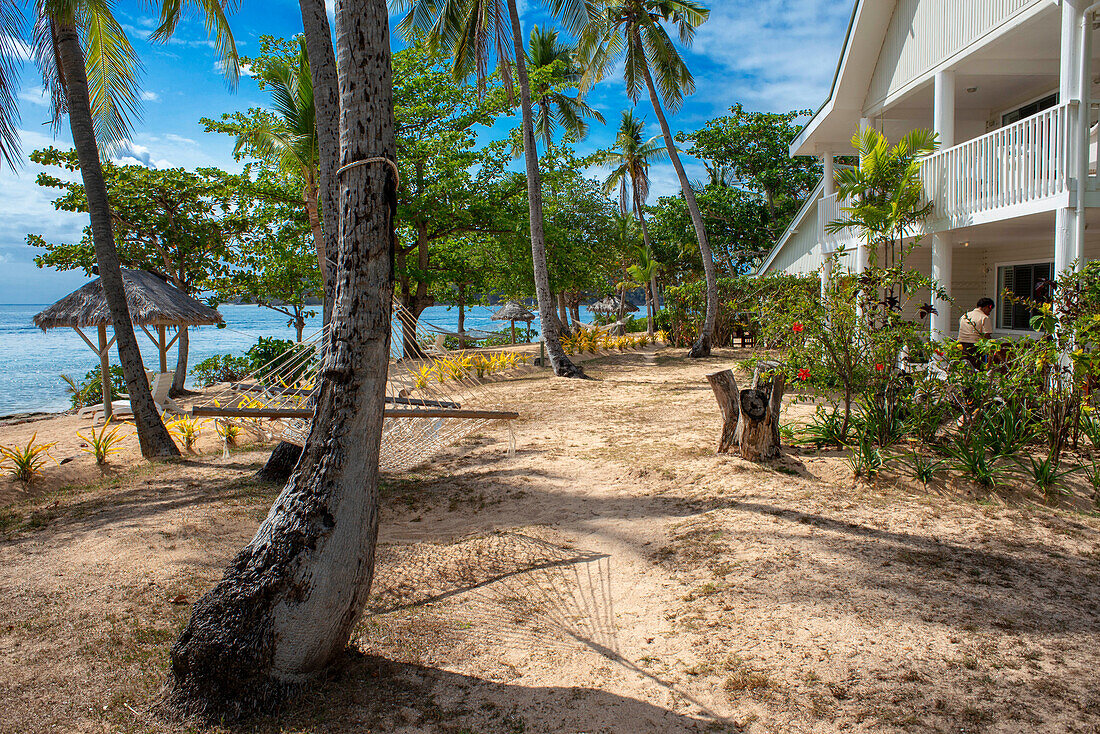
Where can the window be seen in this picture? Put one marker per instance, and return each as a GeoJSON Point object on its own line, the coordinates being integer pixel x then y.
{"type": "Point", "coordinates": [1030, 109]}
{"type": "Point", "coordinates": [1024, 282]}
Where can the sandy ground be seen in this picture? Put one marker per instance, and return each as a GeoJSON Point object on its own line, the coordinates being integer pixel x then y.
{"type": "Point", "coordinates": [614, 575]}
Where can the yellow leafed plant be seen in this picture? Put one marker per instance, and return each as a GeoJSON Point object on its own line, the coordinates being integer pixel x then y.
{"type": "Point", "coordinates": [186, 430]}
{"type": "Point", "coordinates": [104, 443]}
{"type": "Point", "coordinates": [26, 461]}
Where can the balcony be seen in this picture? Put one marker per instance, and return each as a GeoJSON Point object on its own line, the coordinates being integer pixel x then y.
{"type": "Point", "coordinates": [1016, 170]}
{"type": "Point", "coordinates": [831, 209]}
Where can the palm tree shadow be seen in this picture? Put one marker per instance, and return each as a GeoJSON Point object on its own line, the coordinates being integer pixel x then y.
{"type": "Point", "coordinates": [371, 693]}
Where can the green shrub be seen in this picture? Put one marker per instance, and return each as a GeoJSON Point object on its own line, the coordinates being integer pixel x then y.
{"type": "Point", "coordinates": [220, 368]}
{"type": "Point", "coordinates": [88, 392]}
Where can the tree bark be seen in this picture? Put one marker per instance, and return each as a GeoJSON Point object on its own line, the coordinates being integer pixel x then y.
{"type": "Point", "coordinates": [183, 346]}
{"type": "Point", "coordinates": [563, 312]}
{"type": "Point", "coordinates": [152, 435]}
{"type": "Point", "coordinates": [309, 196]}
{"type": "Point", "coordinates": [650, 311]}
{"type": "Point", "coordinates": [326, 108]}
{"type": "Point", "coordinates": [750, 417]}
{"type": "Point", "coordinates": [702, 345]}
{"type": "Point", "coordinates": [289, 601]}
{"type": "Point", "coordinates": [281, 463]}
{"type": "Point", "coordinates": [551, 329]}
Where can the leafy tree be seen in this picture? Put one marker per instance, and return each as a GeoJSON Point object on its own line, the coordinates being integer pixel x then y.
{"type": "Point", "coordinates": [272, 261]}
{"type": "Point", "coordinates": [751, 151]}
{"type": "Point", "coordinates": [286, 137]}
{"type": "Point", "coordinates": [91, 71]}
{"type": "Point", "coordinates": [174, 223]}
{"type": "Point", "coordinates": [449, 186]}
{"type": "Point", "coordinates": [475, 33]}
{"type": "Point", "coordinates": [634, 29]}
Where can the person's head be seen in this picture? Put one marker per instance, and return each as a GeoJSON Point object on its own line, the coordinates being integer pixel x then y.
{"type": "Point", "coordinates": [987, 305]}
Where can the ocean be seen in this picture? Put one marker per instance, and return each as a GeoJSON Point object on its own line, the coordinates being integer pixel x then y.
{"type": "Point", "coordinates": [31, 362]}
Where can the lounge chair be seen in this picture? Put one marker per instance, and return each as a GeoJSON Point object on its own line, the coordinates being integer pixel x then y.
{"type": "Point", "coordinates": [162, 383]}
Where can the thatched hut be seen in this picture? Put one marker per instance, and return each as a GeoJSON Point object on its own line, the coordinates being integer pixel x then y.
{"type": "Point", "coordinates": [514, 311]}
{"type": "Point", "coordinates": [611, 305]}
{"type": "Point", "coordinates": [152, 303]}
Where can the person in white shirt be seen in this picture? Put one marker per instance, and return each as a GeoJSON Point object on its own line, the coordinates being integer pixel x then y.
{"type": "Point", "coordinates": [975, 326]}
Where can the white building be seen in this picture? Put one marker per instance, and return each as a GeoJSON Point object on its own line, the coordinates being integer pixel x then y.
{"type": "Point", "coordinates": [1007, 85]}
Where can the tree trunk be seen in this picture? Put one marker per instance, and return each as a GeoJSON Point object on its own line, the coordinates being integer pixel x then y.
{"type": "Point", "coordinates": [152, 435]}
{"type": "Point", "coordinates": [563, 312]}
{"type": "Point", "coordinates": [551, 332]}
{"type": "Point", "coordinates": [309, 196]}
{"type": "Point", "coordinates": [461, 317]}
{"type": "Point", "coordinates": [289, 601]}
{"type": "Point", "coordinates": [326, 108]}
{"type": "Point", "coordinates": [299, 327]}
{"type": "Point", "coordinates": [183, 344]}
{"type": "Point", "coordinates": [650, 311]}
{"type": "Point", "coordinates": [281, 463]}
{"type": "Point", "coordinates": [750, 418]}
{"type": "Point", "coordinates": [702, 345]}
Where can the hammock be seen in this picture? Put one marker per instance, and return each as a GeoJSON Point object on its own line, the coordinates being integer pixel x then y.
{"type": "Point", "coordinates": [431, 402]}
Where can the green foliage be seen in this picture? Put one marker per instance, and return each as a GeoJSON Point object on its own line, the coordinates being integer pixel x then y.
{"type": "Point", "coordinates": [89, 391]}
{"type": "Point", "coordinates": [971, 456]}
{"type": "Point", "coordinates": [268, 352]}
{"type": "Point", "coordinates": [1045, 473]}
{"type": "Point", "coordinates": [221, 368]}
{"type": "Point", "coordinates": [743, 302]}
{"type": "Point", "coordinates": [923, 468]}
{"type": "Point", "coordinates": [824, 429]}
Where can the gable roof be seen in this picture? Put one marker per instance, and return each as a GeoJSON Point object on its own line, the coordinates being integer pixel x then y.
{"type": "Point", "coordinates": [830, 129]}
{"type": "Point", "coordinates": [796, 223]}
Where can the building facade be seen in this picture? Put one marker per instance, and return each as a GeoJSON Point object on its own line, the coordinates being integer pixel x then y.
{"type": "Point", "coordinates": [1008, 87]}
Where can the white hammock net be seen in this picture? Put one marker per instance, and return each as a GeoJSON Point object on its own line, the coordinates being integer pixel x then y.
{"type": "Point", "coordinates": [433, 399]}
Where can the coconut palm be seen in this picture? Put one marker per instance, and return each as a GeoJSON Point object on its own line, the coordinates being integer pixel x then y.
{"type": "Point", "coordinates": [629, 161]}
{"type": "Point", "coordinates": [289, 601]}
{"type": "Point", "coordinates": [476, 34]}
{"type": "Point", "coordinates": [11, 47]}
{"type": "Point", "coordinates": [635, 29]}
{"type": "Point", "coordinates": [555, 107]}
{"type": "Point", "coordinates": [288, 138]}
{"type": "Point", "coordinates": [91, 73]}
{"type": "Point", "coordinates": [644, 272]}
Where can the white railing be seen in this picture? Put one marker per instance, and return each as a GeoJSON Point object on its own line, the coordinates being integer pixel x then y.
{"type": "Point", "coordinates": [830, 211]}
{"type": "Point", "coordinates": [1026, 162]}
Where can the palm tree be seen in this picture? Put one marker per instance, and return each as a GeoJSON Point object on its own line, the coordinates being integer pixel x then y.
{"type": "Point", "coordinates": [98, 91]}
{"type": "Point", "coordinates": [634, 28]}
{"type": "Point", "coordinates": [629, 161]}
{"type": "Point", "coordinates": [476, 32]}
{"type": "Point", "coordinates": [555, 107]}
{"type": "Point", "coordinates": [288, 139]}
{"type": "Point", "coordinates": [11, 21]}
{"type": "Point", "coordinates": [643, 272]}
{"type": "Point", "coordinates": [290, 600]}
{"type": "Point", "coordinates": [326, 102]}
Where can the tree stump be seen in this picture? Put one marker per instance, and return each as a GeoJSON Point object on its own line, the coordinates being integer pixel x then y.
{"type": "Point", "coordinates": [750, 417]}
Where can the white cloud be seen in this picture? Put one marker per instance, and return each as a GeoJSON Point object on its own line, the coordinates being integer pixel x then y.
{"type": "Point", "coordinates": [35, 95]}
{"type": "Point", "coordinates": [774, 55]}
{"type": "Point", "coordinates": [129, 153]}
{"type": "Point", "coordinates": [18, 46]}
{"type": "Point", "coordinates": [150, 96]}
{"type": "Point", "coordinates": [179, 139]}
{"type": "Point", "coordinates": [245, 69]}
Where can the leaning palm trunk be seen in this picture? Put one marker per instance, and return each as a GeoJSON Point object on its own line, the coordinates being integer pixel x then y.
{"type": "Point", "coordinates": [152, 435]}
{"type": "Point", "coordinates": [702, 345]}
{"type": "Point", "coordinates": [326, 101]}
{"type": "Point", "coordinates": [651, 287]}
{"type": "Point", "coordinates": [183, 346]}
{"type": "Point", "coordinates": [289, 601]}
{"type": "Point", "coordinates": [551, 328]}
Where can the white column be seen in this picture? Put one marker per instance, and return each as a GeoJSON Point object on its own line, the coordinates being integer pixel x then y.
{"type": "Point", "coordinates": [942, 259]}
{"type": "Point", "coordinates": [1084, 89]}
{"type": "Point", "coordinates": [1066, 223]}
{"type": "Point", "coordinates": [828, 182]}
{"type": "Point", "coordinates": [861, 247]}
{"type": "Point", "coordinates": [943, 110]}
{"type": "Point", "coordinates": [1069, 62]}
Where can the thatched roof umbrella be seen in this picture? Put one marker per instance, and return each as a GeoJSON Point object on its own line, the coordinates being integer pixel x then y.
{"type": "Point", "coordinates": [611, 305]}
{"type": "Point", "coordinates": [514, 311]}
{"type": "Point", "coordinates": [151, 301]}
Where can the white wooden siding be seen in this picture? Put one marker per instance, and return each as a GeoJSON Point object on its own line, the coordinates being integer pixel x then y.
{"type": "Point", "coordinates": [924, 33]}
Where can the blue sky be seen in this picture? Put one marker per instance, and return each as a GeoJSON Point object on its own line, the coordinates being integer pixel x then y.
{"type": "Point", "coordinates": [771, 55]}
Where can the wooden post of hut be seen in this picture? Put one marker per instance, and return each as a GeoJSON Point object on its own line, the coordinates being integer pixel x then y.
{"type": "Point", "coordinates": [104, 371]}
{"type": "Point", "coordinates": [750, 417]}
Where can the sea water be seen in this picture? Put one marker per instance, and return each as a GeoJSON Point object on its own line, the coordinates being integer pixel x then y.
{"type": "Point", "coordinates": [32, 362]}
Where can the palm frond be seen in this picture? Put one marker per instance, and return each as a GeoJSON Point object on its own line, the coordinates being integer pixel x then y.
{"type": "Point", "coordinates": [12, 51]}
{"type": "Point", "coordinates": [113, 70]}
{"type": "Point", "coordinates": [216, 23]}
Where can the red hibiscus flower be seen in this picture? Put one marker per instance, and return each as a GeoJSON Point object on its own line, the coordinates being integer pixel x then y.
{"type": "Point", "coordinates": [797, 327]}
{"type": "Point", "coordinates": [803, 374]}
{"type": "Point", "coordinates": [879, 367]}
